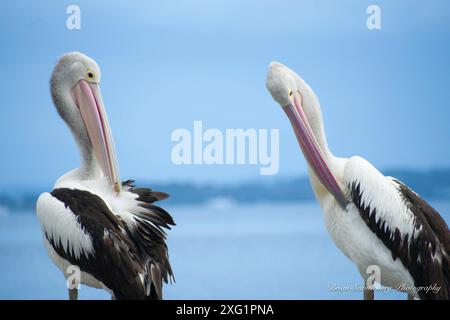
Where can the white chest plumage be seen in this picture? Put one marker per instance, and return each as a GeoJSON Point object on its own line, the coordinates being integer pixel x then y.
{"type": "Point", "coordinates": [358, 243]}
{"type": "Point", "coordinates": [363, 248]}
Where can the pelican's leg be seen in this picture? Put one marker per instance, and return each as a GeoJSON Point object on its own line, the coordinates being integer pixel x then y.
{"type": "Point", "coordinates": [369, 294]}
{"type": "Point", "coordinates": [73, 294]}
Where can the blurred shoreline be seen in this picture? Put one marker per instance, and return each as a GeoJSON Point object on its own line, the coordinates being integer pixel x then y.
{"type": "Point", "coordinates": [430, 184]}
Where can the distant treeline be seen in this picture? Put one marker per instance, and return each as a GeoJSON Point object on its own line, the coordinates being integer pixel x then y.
{"type": "Point", "coordinates": [433, 184]}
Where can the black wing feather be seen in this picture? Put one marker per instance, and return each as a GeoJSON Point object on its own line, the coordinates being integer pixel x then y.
{"type": "Point", "coordinates": [150, 225]}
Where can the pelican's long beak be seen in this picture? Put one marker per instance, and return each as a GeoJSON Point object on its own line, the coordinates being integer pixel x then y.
{"type": "Point", "coordinates": [311, 150]}
{"type": "Point", "coordinates": [88, 99]}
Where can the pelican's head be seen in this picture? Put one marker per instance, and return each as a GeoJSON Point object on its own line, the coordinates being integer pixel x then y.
{"type": "Point", "coordinates": [76, 95]}
{"type": "Point", "coordinates": [281, 83]}
{"type": "Point", "coordinates": [303, 110]}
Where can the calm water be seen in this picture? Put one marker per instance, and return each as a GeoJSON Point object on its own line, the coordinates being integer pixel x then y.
{"type": "Point", "coordinates": [221, 251]}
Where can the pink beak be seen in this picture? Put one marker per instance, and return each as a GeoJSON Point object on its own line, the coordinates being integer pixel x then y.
{"type": "Point", "coordinates": [89, 101]}
{"type": "Point", "coordinates": [311, 150]}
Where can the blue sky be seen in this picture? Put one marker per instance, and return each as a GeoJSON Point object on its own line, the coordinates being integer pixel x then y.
{"type": "Point", "coordinates": [384, 94]}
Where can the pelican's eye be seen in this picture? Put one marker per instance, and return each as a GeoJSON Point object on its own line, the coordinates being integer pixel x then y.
{"type": "Point", "coordinates": [90, 74]}
{"type": "Point", "coordinates": [290, 93]}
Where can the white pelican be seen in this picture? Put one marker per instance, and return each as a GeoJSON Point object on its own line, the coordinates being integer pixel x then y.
{"type": "Point", "coordinates": [375, 220]}
{"type": "Point", "coordinates": [110, 230]}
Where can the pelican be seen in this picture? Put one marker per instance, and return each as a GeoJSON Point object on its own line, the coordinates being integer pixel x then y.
{"type": "Point", "coordinates": [378, 222]}
{"type": "Point", "coordinates": [100, 231]}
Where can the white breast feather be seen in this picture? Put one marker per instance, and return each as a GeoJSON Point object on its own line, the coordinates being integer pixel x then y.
{"type": "Point", "coordinates": [122, 204]}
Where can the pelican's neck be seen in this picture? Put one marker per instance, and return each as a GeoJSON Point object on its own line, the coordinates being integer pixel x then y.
{"type": "Point", "coordinates": [89, 168]}
{"type": "Point", "coordinates": [323, 196]}
{"type": "Point", "coordinates": [311, 107]}
{"type": "Point", "coordinates": [316, 121]}
{"type": "Point", "coordinates": [313, 112]}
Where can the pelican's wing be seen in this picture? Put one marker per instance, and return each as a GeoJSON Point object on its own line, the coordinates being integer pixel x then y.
{"type": "Point", "coordinates": [82, 230]}
{"type": "Point", "coordinates": [148, 228]}
{"type": "Point", "coordinates": [408, 226]}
